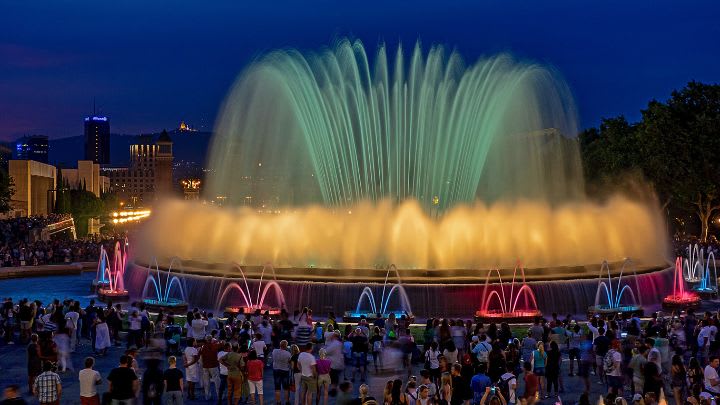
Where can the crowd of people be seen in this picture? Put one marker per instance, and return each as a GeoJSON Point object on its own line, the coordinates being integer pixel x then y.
{"type": "Point", "coordinates": [21, 243]}
{"type": "Point", "coordinates": [167, 359]}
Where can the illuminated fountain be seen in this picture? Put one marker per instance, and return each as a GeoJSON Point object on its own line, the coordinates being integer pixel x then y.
{"type": "Point", "coordinates": [381, 307]}
{"type": "Point", "coordinates": [163, 287]}
{"type": "Point", "coordinates": [101, 280]}
{"type": "Point", "coordinates": [249, 305]}
{"type": "Point", "coordinates": [696, 269]}
{"type": "Point", "coordinates": [680, 298]}
{"type": "Point", "coordinates": [613, 295]}
{"type": "Point", "coordinates": [115, 274]}
{"type": "Point", "coordinates": [499, 302]}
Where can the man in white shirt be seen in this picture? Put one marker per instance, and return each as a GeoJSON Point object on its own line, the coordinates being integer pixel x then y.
{"type": "Point", "coordinates": [199, 326]}
{"type": "Point", "coordinates": [308, 373]}
{"type": "Point", "coordinates": [703, 340]}
{"type": "Point", "coordinates": [135, 332]}
{"type": "Point", "coordinates": [223, 371]}
{"type": "Point", "coordinates": [259, 346]}
{"type": "Point", "coordinates": [615, 377]}
{"type": "Point", "coordinates": [711, 379]}
{"type": "Point", "coordinates": [89, 380]}
{"type": "Point", "coordinates": [71, 322]}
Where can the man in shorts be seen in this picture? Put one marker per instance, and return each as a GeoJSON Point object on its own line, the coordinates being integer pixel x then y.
{"type": "Point", "coordinates": [308, 374]}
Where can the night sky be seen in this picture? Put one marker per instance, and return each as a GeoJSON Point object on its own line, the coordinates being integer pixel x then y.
{"type": "Point", "coordinates": [151, 64]}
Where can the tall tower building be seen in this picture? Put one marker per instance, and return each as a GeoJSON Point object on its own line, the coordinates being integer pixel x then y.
{"type": "Point", "coordinates": [97, 139]}
{"type": "Point", "coordinates": [164, 165]}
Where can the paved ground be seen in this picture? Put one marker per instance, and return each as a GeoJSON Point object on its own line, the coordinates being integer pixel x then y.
{"type": "Point", "coordinates": [13, 371]}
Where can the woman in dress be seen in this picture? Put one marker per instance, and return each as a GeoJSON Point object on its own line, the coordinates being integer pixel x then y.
{"type": "Point", "coordinates": [678, 379]}
{"type": "Point", "coordinates": [102, 334]}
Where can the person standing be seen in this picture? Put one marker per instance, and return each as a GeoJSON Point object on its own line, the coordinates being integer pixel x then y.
{"type": "Point", "coordinates": [89, 380]}
{"type": "Point", "coordinates": [192, 367]}
{"type": "Point", "coordinates": [323, 371]}
{"type": "Point", "coordinates": [255, 368]}
{"type": "Point", "coordinates": [47, 387]}
{"type": "Point", "coordinates": [71, 323]}
{"type": "Point", "coordinates": [234, 363]}
{"type": "Point", "coordinates": [173, 379]}
{"type": "Point", "coordinates": [153, 383]}
{"type": "Point", "coordinates": [123, 383]}
{"type": "Point", "coordinates": [210, 374]}
{"type": "Point", "coordinates": [308, 374]}
{"type": "Point", "coordinates": [281, 372]}
{"type": "Point", "coordinates": [34, 361]}
{"type": "Point", "coordinates": [223, 371]}
{"type": "Point", "coordinates": [102, 335]}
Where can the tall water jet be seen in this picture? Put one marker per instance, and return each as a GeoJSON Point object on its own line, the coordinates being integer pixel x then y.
{"type": "Point", "coordinates": [697, 269]}
{"type": "Point", "coordinates": [332, 165]}
{"type": "Point", "coordinates": [680, 297]}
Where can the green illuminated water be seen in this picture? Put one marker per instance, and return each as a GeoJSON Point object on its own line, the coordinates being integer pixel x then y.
{"type": "Point", "coordinates": [340, 126]}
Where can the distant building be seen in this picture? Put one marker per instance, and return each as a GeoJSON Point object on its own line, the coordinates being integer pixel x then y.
{"type": "Point", "coordinates": [6, 154]}
{"type": "Point", "coordinates": [97, 139]}
{"type": "Point", "coordinates": [33, 147]}
{"type": "Point", "coordinates": [191, 189]}
{"type": "Point", "coordinates": [185, 128]}
{"type": "Point", "coordinates": [86, 175]}
{"type": "Point", "coordinates": [150, 173]}
{"type": "Point", "coordinates": [34, 184]}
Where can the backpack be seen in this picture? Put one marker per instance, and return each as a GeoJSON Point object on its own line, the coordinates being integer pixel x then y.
{"type": "Point", "coordinates": [483, 355]}
{"type": "Point", "coordinates": [608, 362]}
{"type": "Point", "coordinates": [377, 346]}
{"type": "Point", "coordinates": [504, 385]}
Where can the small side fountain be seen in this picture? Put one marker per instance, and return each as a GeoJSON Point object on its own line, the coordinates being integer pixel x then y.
{"type": "Point", "coordinates": [115, 290]}
{"type": "Point", "coordinates": [501, 303]}
{"type": "Point", "coordinates": [613, 297]}
{"type": "Point", "coordinates": [696, 269]}
{"type": "Point", "coordinates": [248, 304]}
{"type": "Point", "coordinates": [381, 308]}
{"type": "Point", "coordinates": [680, 298]}
{"type": "Point", "coordinates": [163, 288]}
{"type": "Point", "coordinates": [101, 280]}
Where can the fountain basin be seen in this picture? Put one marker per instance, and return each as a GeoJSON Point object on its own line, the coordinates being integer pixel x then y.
{"type": "Point", "coordinates": [233, 311]}
{"type": "Point", "coordinates": [522, 316]}
{"type": "Point", "coordinates": [355, 316]}
{"type": "Point", "coordinates": [106, 294]}
{"type": "Point", "coordinates": [632, 310]}
{"type": "Point", "coordinates": [681, 301]}
{"type": "Point", "coordinates": [705, 292]}
{"type": "Point", "coordinates": [177, 306]}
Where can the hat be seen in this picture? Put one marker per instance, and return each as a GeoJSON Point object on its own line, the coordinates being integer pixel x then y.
{"type": "Point", "coordinates": [475, 338]}
{"type": "Point", "coordinates": [637, 397]}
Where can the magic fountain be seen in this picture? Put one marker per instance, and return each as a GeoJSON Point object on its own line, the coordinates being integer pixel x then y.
{"type": "Point", "coordinates": [331, 168]}
{"type": "Point", "coordinates": [500, 302]}
{"type": "Point", "coordinates": [697, 269]}
{"type": "Point", "coordinates": [609, 298]}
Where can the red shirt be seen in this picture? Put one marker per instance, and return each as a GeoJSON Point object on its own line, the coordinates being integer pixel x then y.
{"type": "Point", "coordinates": [255, 370]}
{"type": "Point", "coordinates": [208, 354]}
{"type": "Point", "coordinates": [531, 385]}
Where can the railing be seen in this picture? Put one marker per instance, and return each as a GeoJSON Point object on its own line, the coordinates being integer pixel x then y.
{"type": "Point", "coordinates": [58, 227]}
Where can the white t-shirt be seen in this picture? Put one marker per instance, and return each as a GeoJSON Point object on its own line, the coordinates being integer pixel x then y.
{"type": "Point", "coordinates": [223, 369]}
{"type": "Point", "coordinates": [617, 359]}
{"type": "Point", "coordinates": [306, 361]}
{"type": "Point", "coordinates": [198, 328]}
{"type": "Point", "coordinates": [512, 384]}
{"type": "Point", "coordinates": [432, 357]}
{"type": "Point", "coordinates": [88, 382]}
{"type": "Point", "coordinates": [73, 317]}
{"type": "Point", "coordinates": [259, 347]}
{"type": "Point", "coordinates": [711, 374]}
{"type": "Point", "coordinates": [713, 332]}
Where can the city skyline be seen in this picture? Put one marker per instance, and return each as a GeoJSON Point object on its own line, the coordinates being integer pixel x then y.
{"type": "Point", "coordinates": [153, 69]}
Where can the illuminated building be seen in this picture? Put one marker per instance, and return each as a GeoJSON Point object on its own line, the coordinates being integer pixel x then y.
{"type": "Point", "coordinates": [97, 139]}
{"type": "Point", "coordinates": [34, 147]}
{"type": "Point", "coordinates": [34, 186]}
{"type": "Point", "coordinates": [149, 175]}
{"type": "Point", "coordinates": [88, 175]}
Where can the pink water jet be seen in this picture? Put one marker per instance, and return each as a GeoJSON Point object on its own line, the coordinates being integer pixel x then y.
{"type": "Point", "coordinates": [680, 298]}
{"type": "Point", "coordinates": [115, 275]}
{"type": "Point", "coordinates": [505, 306]}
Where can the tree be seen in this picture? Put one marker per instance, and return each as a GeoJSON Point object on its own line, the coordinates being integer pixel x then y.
{"type": "Point", "coordinates": [83, 206]}
{"type": "Point", "coordinates": [679, 141]}
{"type": "Point", "coordinates": [610, 151]}
{"type": "Point", "coordinates": [7, 189]}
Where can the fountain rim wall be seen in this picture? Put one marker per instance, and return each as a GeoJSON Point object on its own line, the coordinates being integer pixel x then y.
{"type": "Point", "coordinates": [407, 276]}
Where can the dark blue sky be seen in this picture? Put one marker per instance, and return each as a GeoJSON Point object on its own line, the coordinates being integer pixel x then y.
{"type": "Point", "coordinates": [152, 63]}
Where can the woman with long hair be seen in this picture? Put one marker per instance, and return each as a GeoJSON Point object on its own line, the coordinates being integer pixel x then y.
{"type": "Point", "coordinates": [539, 359]}
{"type": "Point", "coordinates": [678, 379]}
{"type": "Point", "coordinates": [552, 369]}
{"type": "Point", "coordinates": [397, 397]}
